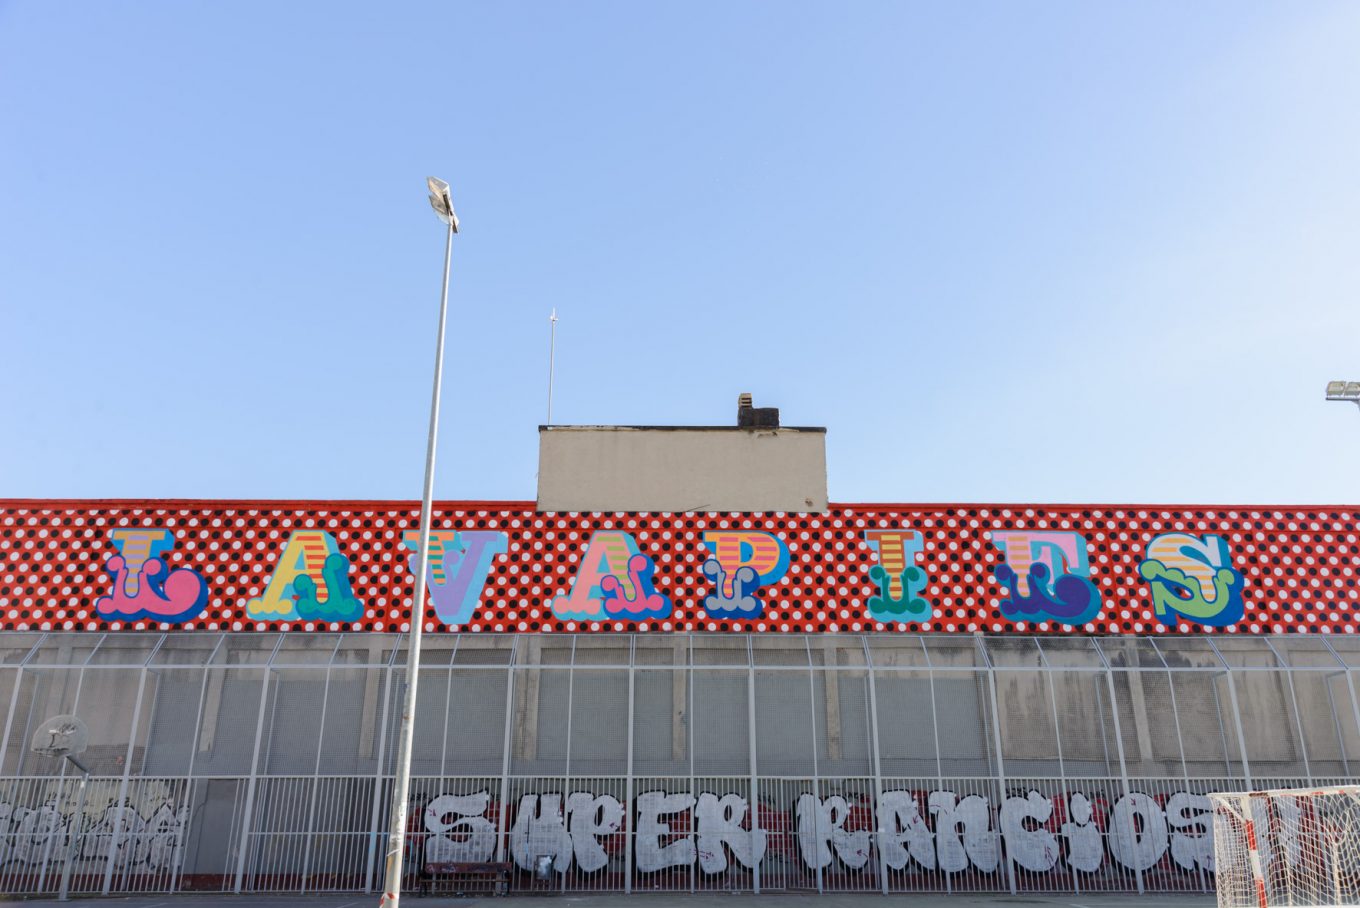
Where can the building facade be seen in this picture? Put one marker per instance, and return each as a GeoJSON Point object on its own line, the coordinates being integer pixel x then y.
{"type": "Point", "coordinates": [872, 697]}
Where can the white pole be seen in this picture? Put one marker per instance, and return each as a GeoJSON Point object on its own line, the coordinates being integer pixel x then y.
{"type": "Point", "coordinates": [552, 350]}
{"type": "Point", "coordinates": [77, 831]}
{"type": "Point", "coordinates": [396, 833]}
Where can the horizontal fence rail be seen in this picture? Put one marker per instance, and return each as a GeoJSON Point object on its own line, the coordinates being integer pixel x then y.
{"type": "Point", "coordinates": [255, 763]}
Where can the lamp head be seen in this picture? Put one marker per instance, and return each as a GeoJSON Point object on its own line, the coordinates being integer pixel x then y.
{"type": "Point", "coordinates": [1344, 390]}
{"type": "Point", "coordinates": [442, 202]}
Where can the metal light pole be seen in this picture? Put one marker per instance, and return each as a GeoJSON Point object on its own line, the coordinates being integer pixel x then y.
{"type": "Point", "coordinates": [442, 204]}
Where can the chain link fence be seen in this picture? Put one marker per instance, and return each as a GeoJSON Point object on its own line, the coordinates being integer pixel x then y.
{"type": "Point", "coordinates": [892, 763]}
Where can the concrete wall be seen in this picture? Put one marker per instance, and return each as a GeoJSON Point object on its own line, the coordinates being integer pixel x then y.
{"type": "Point", "coordinates": [637, 468]}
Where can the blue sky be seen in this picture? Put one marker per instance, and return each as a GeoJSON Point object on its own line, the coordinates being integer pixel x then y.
{"type": "Point", "coordinates": [1053, 252]}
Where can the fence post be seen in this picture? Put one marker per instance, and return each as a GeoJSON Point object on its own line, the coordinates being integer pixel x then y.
{"type": "Point", "coordinates": [566, 775]}
{"type": "Point", "coordinates": [751, 753]}
{"type": "Point", "coordinates": [1237, 713]}
{"type": "Point", "coordinates": [1000, 758]}
{"type": "Point", "coordinates": [1119, 746]}
{"type": "Point", "coordinates": [816, 775]}
{"type": "Point", "coordinates": [628, 785]}
{"type": "Point", "coordinates": [935, 736]}
{"type": "Point", "coordinates": [878, 766]}
{"type": "Point", "coordinates": [177, 872]}
{"type": "Point", "coordinates": [1294, 702]}
{"type": "Point", "coordinates": [503, 813]}
{"type": "Point", "coordinates": [248, 818]}
{"type": "Point", "coordinates": [1048, 673]}
{"type": "Point", "coordinates": [9, 716]}
{"type": "Point", "coordinates": [694, 753]}
{"type": "Point", "coordinates": [123, 785]}
{"type": "Point", "coordinates": [1237, 721]}
{"type": "Point", "coordinates": [1350, 686]}
{"type": "Point", "coordinates": [316, 773]}
{"type": "Point", "coordinates": [1180, 746]}
{"type": "Point", "coordinates": [374, 834]}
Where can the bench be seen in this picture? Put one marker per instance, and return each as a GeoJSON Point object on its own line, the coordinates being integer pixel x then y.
{"type": "Point", "coordinates": [466, 877]}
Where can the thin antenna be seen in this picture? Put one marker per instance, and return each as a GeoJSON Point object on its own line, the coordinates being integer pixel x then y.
{"type": "Point", "coordinates": [552, 350]}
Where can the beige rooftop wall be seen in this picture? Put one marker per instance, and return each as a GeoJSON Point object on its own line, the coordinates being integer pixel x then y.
{"type": "Point", "coordinates": [676, 469]}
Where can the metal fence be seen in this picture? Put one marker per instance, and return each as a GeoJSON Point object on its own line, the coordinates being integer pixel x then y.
{"type": "Point", "coordinates": [892, 763]}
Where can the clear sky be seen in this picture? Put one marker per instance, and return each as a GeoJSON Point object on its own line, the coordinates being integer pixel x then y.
{"type": "Point", "coordinates": [1054, 252]}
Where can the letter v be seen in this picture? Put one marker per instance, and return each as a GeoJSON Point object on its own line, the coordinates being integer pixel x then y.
{"type": "Point", "coordinates": [459, 564]}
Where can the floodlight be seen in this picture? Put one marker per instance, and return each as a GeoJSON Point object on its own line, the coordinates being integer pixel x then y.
{"type": "Point", "coordinates": [442, 202]}
{"type": "Point", "coordinates": [1343, 390]}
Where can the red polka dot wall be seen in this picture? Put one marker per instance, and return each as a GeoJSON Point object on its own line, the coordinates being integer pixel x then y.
{"type": "Point", "coordinates": [504, 567]}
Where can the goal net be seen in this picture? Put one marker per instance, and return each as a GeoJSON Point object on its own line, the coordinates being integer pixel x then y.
{"type": "Point", "coordinates": [1296, 847]}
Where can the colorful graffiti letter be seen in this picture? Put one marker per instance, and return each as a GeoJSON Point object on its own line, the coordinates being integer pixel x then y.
{"type": "Point", "coordinates": [646, 603]}
{"type": "Point", "coordinates": [742, 602]}
{"type": "Point", "coordinates": [899, 580]}
{"type": "Point", "coordinates": [1047, 575]}
{"type": "Point", "coordinates": [141, 586]}
{"type": "Point", "coordinates": [742, 562]}
{"type": "Point", "coordinates": [1193, 578]}
{"type": "Point", "coordinates": [606, 555]}
{"type": "Point", "coordinates": [460, 561]}
{"type": "Point", "coordinates": [311, 562]}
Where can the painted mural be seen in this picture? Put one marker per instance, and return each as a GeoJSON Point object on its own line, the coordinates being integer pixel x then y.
{"type": "Point", "coordinates": [717, 832]}
{"type": "Point", "coordinates": [149, 843]}
{"type": "Point", "coordinates": [934, 830]}
{"type": "Point", "coordinates": [251, 566]}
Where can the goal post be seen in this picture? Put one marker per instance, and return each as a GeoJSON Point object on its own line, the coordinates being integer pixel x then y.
{"type": "Point", "coordinates": [1287, 847]}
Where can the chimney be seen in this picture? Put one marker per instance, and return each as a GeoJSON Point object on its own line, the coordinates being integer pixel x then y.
{"type": "Point", "coordinates": [750, 417]}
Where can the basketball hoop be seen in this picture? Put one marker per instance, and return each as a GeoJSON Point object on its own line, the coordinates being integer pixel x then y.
{"type": "Point", "coordinates": [61, 736]}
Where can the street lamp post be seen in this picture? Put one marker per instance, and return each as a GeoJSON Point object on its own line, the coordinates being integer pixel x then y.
{"type": "Point", "coordinates": [442, 204]}
{"type": "Point", "coordinates": [1344, 390]}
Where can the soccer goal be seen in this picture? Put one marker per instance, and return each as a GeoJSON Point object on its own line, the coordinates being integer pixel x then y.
{"type": "Point", "coordinates": [1289, 847]}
